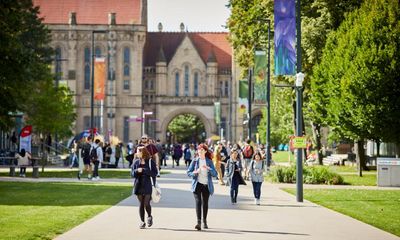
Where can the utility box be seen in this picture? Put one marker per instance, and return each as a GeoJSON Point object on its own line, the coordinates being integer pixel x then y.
{"type": "Point", "coordinates": [388, 172]}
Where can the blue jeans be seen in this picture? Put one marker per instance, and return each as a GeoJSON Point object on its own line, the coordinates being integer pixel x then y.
{"type": "Point", "coordinates": [257, 189]}
{"type": "Point", "coordinates": [234, 187]}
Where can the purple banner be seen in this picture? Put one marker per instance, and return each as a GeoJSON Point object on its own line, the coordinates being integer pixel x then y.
{"type": "Point", "coordinates": [285, 37]}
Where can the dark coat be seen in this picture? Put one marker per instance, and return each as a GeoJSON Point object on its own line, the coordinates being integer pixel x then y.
{"type": "Point", "coordinates": [143, 180]}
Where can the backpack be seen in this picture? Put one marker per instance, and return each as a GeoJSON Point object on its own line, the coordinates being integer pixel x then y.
{"type": "Point", "coordinates": [188, 155]}
{"type": "Point", "coordinates": [248, 152]}
{"type": "Point", "coordinates": [93, 154]}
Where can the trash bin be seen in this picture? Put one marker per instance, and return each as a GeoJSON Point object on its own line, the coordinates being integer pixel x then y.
{"type": "Point", "coordinates": [35, 171]}
{"type": "Point", "coordinates": [388, 172]}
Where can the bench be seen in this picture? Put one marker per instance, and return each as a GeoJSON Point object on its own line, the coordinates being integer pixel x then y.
{"type": "Point", "coordinates": [335, 159]}
{"type": "Point", "coordinates": [12, 166]}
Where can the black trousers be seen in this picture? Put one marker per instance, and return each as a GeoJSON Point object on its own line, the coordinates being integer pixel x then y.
{"type": "Point", "coordinates": [144, 204]}
{"type": "Point", "coordinates": [96, 168]}
{"type": "Point", "coordinates": [201, 196]}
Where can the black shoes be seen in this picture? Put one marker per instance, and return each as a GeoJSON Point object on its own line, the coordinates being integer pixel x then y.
{"type": "Point", "coordinates": [149, 221]}
{"type": "Point", "coordinates": [205, 226]}
{"type": "Point", "coordinates": [198, 227]}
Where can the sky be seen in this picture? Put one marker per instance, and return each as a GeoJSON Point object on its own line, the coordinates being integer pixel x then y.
{"type": "Point", "coordinates": [197, 15]}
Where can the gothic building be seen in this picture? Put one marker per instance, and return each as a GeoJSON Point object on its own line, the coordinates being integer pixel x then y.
{"type": "Point", "coordinates": [162, 73]}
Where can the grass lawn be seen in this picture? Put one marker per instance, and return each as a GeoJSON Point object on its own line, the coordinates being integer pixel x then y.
{"type": "Point", "coordinates": [72, 173]}
{"type": "Point", "coordinates": [379, 208]}
{"type": "Point", "coordinates": [350, 175]}
{"type": "Point", "coordinates": [282, 156]}
{"type": "Point", "coordinates": [45, 210]}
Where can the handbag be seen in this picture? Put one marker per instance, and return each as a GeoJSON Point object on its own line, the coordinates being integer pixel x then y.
{"type": "Point", "coordinates": [155, 189]}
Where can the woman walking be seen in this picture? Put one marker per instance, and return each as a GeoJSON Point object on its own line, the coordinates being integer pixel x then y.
{"type": "Point", "coordinates": [201, 170]}
{"type": "Point", "coordinates": [256, 172]}
{"type": "Point", "coordinates": [143, 171]}
{"type": "Point", "coordinates": [233, 174]}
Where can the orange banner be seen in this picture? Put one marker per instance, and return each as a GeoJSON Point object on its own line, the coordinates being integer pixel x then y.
{"type": "Point", "coordinates": [99, 78]}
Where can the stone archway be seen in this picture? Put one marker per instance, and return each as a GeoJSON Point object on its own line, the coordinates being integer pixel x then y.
{"type": "Point", "coordinates": [164, 125]}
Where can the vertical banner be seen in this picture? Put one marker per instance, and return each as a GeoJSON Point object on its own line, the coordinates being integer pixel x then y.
{"type": "Point", "coordinates": [217, 112]}
{"type": "Point", "coordinates": [285, 37]}
{"type": "Point", "coordinates": [260, 75]}
{"type": "Point", "coordinates": [25, 138]}
{"type": "Point", "coordinates": [99, 78]}
{"type": "Point", "coordinates": [243, 96]}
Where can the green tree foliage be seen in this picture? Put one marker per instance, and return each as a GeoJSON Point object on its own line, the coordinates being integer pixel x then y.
{"type": "Point", "coordinates": [358, 79]}
{"type": "Point", "coordinates": [51, 110]}
{"type": "Point", "coordinates": [187, 128]}
{"type": "Point", "coordinates": [24, 52]}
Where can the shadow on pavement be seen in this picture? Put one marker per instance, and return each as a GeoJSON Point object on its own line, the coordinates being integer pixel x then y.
{"type": "Point", "coordinates": [230, 231]}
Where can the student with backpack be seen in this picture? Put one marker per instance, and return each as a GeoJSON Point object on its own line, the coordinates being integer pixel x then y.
{"type": "Point", "coordinates": [187, 155]}
{"type": "Point", "coordinates": [96, 156]}
{"type": "Point", "coordinates": [257, 167]}
{"type": "Point", "coordinates": [248, 152]}
{"type": "Point", "coordinates": [86, 147]}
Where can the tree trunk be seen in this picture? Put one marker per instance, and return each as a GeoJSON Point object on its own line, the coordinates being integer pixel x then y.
{"type": "Point", "coordinates": [360, 156]}
{"type": "Point", "coordinates": [317, 137]}
{"type": "Point", "coordinates": [397, 150]}
{"type": "Point", "coordinates": [378, 143]}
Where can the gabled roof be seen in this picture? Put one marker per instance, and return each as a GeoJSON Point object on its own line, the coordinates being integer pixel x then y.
{"type": "Point", "coordinates": [204, 42]}
{"type": "Point", "coordinates": [89, 11]}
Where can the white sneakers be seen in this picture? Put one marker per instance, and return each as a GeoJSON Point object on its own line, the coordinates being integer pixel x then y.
{"type": "Point", "coordinates": [256, 201]}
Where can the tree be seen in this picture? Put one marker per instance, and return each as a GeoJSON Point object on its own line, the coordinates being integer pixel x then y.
{"type": "Point", "coordinates": [50, 110]}
{"type": "Point", "coordinates": [25, 55]}
{"type": "Point", "coordinates": [357, 80]}
{"type": "Point", "coordinates": [187, 128]}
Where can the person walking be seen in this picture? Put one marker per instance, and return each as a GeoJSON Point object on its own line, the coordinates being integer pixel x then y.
{"type": "Point", "coordinates": [143, 170]}
{"type": "Point", "coordinates": [96, 155]}
{"type": "Point", "coordinates": [86, 147]}
{"type": "Point", "coordinates": [23, 158]}
{"type": "Point", "coordinates": [233, 174]}
{"type": "Point", "coordinates": [187, 155]}
{"type": "Point", "coordinates": [201, 170]}
{"type": "Point", "coordinates": [218, 163]}
{"type": "Point", "coordinates": [248, 152]}
{"type": "Point", "coordinates": [257, 166]}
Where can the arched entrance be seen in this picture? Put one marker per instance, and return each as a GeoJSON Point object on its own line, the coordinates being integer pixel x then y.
{"type": "Point", "coordinates": [186, 128]}
{"type": "Point", "coordinates": [208, 126]}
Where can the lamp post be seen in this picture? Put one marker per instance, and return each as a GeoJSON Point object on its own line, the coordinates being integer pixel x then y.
{"type": "Point", "coordinates": [92, 82]}
{"type": "Point", "coordinates": [250, 100]}
{"type": "Point", "coordinates": [299, 133]}
{"type": "Point", "coordinates": [269, 98]}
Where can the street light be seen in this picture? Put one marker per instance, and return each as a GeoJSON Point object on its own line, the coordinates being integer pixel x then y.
{"type": "Point", "coordinates": [92, 81]}
{"type": "Point", "coordinates": [299, 133]}
{"type": "Point", "coordinates": [269, 98]}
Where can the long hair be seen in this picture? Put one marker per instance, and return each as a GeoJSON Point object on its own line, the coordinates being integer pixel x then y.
{"type": "Point", "coordinates": [22, 153]}
{"type": "Point", "coordinates": [145, 153]}
{"type": "Point", "coordinates": [209, 154]}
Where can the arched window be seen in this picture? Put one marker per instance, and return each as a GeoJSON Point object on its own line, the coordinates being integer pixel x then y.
{"type": "Point", "coordinates": [58, 68]}
{"type": "Point", "coordinates": [177, 84]}
{"type": "Point", "coordinates": [186, 90]}
{"type": "Point", "coordinates": [196, 84]}
{"type": "Point", "coordinates": [87, 69]}
{"type": "Point", "coordinates": [127, 60]}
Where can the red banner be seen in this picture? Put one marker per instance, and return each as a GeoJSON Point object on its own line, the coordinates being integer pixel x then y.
{"type": "Point", "coordinates": [99, 78]}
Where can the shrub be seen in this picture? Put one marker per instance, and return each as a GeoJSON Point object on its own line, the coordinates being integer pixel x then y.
{"type": "Point", "coordinates": [311, 175]}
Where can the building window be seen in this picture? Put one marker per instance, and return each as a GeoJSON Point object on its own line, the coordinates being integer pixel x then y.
{"type": "Point", "coordinates": [86, 122]}
{"type": "Point", "coordinates": [110, 70]}
{"type": "Point", "coordinates": [221, 88]}
{"type": "Point", "coordinates": [226, 90]}
{"type": "Point", "coordinates": [97, 52]}
{"type": "Point", "coordinates": [87, 69]}
{"type": "Point", "coordinates": [126, 129]}
{"type": "Point", "coordinates": [127, 60]}
{"type": "Point", "coordinates": [186, 91]}
{"type": "Point", "coordinates": [196, 85]}
{"type": "Point", "coordinates": [58, 68]}
{"type": "Point", "coordinates": [151, 85]}
{"type": "Point", "coordinates": [126, 84]}
{"type": "Point", "coordinates": [176, 84]}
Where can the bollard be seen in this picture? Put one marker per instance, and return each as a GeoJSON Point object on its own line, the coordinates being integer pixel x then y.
{"type": "Point", "coordinates": [35, 172]}
{"type": "Point", "coordinates": [12, 171]}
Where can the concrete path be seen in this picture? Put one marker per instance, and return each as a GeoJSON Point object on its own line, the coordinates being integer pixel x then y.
{"type": "Point", "coordinates": [278, 217]}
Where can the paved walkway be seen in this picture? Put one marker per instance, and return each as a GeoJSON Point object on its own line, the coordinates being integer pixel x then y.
{"type": "Point", "coordinates": [278, 217]}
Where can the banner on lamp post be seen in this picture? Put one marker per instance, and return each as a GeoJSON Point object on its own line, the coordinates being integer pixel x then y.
{"type": "Point", "coordinates": [217, 112]}
{"type": "Point", "coordinates": [260, 75]}
{"type": "Point", "coordinates": [25, 139]}
{"type": "Point", "coordinates": [285, 37]}
{"type": "Point", "coordinates": [99, 78]}
{"type": "Point", "coordinates": [243, 96]}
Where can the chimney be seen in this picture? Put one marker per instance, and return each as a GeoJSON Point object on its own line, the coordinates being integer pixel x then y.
{"type": "Point", "coordinates": [111, 19]}
{"type": "Point", "coordinates": [182, 26]}
{"type": "Point", "coordinates": [72, 18]}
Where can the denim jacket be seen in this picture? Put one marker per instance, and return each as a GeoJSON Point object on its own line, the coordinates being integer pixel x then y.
{"type": "Point", "coordinates": [194, 165]}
